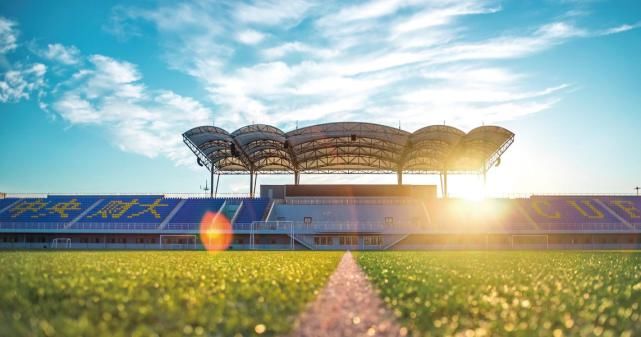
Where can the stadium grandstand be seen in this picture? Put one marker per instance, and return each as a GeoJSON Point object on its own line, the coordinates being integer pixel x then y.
{"type": "Point", "coordinates": [320, 217]}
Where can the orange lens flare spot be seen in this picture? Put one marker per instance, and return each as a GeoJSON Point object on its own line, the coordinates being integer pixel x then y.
{"type": "Point", "coordinates": [215, 232]}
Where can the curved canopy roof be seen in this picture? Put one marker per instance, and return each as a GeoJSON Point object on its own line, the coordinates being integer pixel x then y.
{"type": "Point", "coordinates": [347, 147]}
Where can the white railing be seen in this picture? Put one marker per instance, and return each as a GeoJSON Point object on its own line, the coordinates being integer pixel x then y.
{"type": "Point", "coordinates": [229, 196]}
{"type": "Point", "coordinates": [114, 226]}
{"type": "Point", "coordinates": [587, 227]}
{"type": "Point", "coordinates": [179, 195]}
{"type": "Point", "coordinates": [78, 226]}
{"type": "Point", "coordinates": [272, 225]}
{"type": "Point", "coordinates": [351, 201]}
{"type": "Point", "coordinates": [33, 225]}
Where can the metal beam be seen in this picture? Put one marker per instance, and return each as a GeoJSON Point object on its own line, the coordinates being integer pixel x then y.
{"type": "Point", "coordinates": [211, 182]}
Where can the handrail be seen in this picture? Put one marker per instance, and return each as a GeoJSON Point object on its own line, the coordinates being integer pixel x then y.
{"type": "Point", "coordinates": [352, 201]}
{"type": "Point", "coordinates": [171, 195]}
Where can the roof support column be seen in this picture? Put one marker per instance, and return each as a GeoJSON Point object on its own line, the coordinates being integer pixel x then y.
{"type": "Point", "coordinates": [296, 177]}
{"type": "Point", "coordinates": [445, 184]}
{"type": "Point", "coordinates": [399, 177]}
{"type": "Point", "coordinates": [251, 183]}
{"type": "Point", "coordinates": [217, 184]}
{"type": "Point", "coordinates": [255, 183]}
{"type": "Point", "coordinates": [211, 182]}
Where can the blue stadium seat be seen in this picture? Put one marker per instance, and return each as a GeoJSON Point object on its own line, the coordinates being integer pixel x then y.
{"type": "Point", "coordinates": [560, 213]}
{"type": "Point", "coordinates": [143, 209]}
{"type": "Point", "coordinates": [192, 212]}
{"type": "Point", "coordinates": [626, 207]}
{"type": "Point", "coordinates": [493, 215]}
{"type": "Point", "coordinates": [353, 215]}
{"type": "Point", "coordinates": [58, 209]}
{"type": "Point", "coordinates": [251, 210]}
{"type": "Point", "coordinates": [6, 202]}
{"type": "Point", "coordinates": [128, 214]}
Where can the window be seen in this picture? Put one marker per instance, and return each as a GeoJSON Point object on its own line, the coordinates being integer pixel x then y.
{"type": "Point", "coordinates": [322, 240]}
{"type": "Point", "coordinates": [373, 240]}
{"type": "Point", "coordinates": [389, 220]}
{"type": "Point", "coordinates": [348, 240]}
{"type": "Point", "coordinates": [307, 220]}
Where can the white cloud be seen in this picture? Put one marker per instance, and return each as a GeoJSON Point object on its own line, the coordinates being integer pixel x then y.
{"type": "Point", "coordinates": [18, 83]}
{"type": "Point", "coordinates": [433, 17]}
{"type": "Point", "coordinates": [375, 60]}
{"type": "Point", "coordinates": [284, 49]}
{"type": "Point", "coordinates": [620, 29]}
{"type": "Point", "coordinates": [76, 109]}
{"type": "Point", "coordinates": [67, 55]}
{"type": "Point", "coordinates": [142, 121]}
{"type": "Point", "coordinates": [469, 74]}
{"type": "Point", "coordinates": [20, 79]}
{"type": "Point", "coordinates": [271, 12]}
{"type": "Point", "coordinates": [463, 93]}
{"type": "Point", "coordinates": [8, 35]}
{"type": "Point", "coordinates": [367, 10]}
{"type": "Point", "coordinates": [560, 30]}
{"type": "Point", "coordinates": [250, 36]}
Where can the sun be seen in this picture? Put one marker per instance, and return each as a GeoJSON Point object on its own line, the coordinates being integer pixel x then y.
{"type": "Point", "coordinates": [473, 194]}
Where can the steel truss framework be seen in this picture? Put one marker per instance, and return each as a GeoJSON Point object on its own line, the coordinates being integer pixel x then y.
{"type": "Point", "coordinates": [348, 147]}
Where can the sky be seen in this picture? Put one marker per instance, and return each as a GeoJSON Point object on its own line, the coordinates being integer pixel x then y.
{"type": "Point", "coordinates": [94, 96]}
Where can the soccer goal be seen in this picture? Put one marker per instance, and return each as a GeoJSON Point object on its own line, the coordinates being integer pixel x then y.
{"type": "Point", "coordinates": [178, 241]}
{"type": "Point", "coordinates": [530, 241]}
{"type": "Point", "coordinates": [64, 243]}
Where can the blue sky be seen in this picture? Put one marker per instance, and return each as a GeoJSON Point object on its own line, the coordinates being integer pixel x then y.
{"type": "Point", "coordinates": [95, 95]}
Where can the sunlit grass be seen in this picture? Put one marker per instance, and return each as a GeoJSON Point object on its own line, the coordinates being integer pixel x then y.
{"type": "Point", "coordinates": [157, 293]}
{"type": "Point", "coordinates": [510, 293]}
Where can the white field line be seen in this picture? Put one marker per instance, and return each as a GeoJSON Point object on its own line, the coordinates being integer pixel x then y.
{"type": "Point", "coordinates": [347, 306]}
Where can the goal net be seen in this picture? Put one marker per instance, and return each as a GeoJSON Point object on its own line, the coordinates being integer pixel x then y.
{"type": "Point", "coordinates": [61, 243]}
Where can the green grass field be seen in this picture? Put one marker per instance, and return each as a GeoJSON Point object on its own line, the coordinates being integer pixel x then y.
{"type": "Point", "coordinates": [157, 293]}
{"type": "Point", "coordinates": [470, 294]}
{"type": "Point", "coordinates": [510, 293]}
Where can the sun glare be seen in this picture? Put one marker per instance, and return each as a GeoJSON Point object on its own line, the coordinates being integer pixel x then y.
{"type": "Point", "coordinates": [215, 232]}
{"type": "Point", "coordinates": [473, 194]}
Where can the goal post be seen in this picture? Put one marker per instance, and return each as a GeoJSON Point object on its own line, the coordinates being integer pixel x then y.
{"type": "Point", "coordinates": [530, 239]}
{"type": "Point", "coordinates": [169, 240]}
{"type": "Point", "coordinates": [61, 243]}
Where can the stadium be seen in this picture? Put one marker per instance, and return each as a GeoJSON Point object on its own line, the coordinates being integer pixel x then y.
{"type": "Point", "coordinates": [330, 217]}
{"type": "Point", "coordinates": [371, 168]}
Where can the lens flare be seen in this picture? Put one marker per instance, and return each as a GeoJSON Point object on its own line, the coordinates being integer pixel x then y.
{"type": "Point", "coordinates": [215, 232]}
